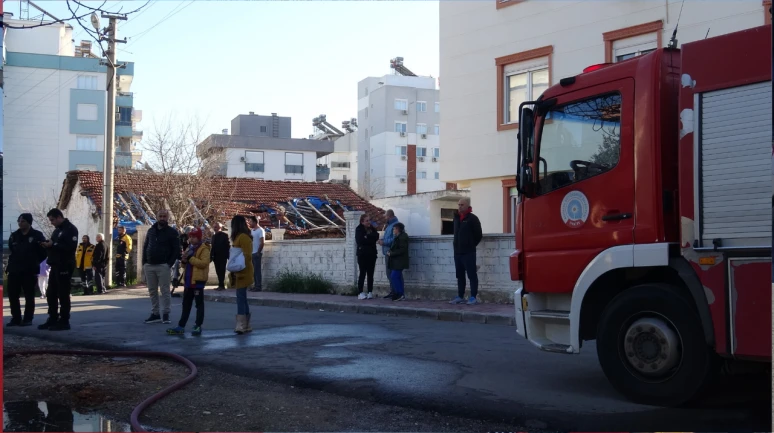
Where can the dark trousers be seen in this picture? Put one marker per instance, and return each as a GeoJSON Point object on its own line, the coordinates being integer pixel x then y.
{"type": "Point", "coordinates": [99, 280]}
{"type": "Point", "coordinates": [189, 295]}
{"type": "Point", "coordinates": [18, 284]}
{"type": "Point", "coordinates": [87, 276]}
{"type": "Point", "coordinates": [58, 294]}
{"type": "Point", "coordinates": [257, 270]}
{"type": "Point", "coordinates": [121, 270]}
{"type": "Point", "coordinates": [367, 265]}
{"type": "Point", "coordinates": [466, 263]}
{"type": "Point", "coordinates": [220, 269]}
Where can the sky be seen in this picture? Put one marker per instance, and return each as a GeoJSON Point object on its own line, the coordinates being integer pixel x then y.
{"type": "Point", "coordinates": [218, 59]}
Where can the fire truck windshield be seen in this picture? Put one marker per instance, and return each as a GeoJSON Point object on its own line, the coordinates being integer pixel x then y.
{"type": "Point", "coordinates": [579, 140]}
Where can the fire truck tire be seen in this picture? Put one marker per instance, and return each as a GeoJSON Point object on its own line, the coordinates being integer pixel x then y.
{"type": "Point", "coordinates": [651, 346]}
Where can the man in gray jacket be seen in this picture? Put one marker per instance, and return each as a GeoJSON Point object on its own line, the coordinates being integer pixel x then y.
{"type": "Point", "coordinates": [386, 242]}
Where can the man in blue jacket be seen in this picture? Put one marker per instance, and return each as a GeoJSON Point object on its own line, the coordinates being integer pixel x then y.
{"type": "Point", "coordinates": [386, 242]}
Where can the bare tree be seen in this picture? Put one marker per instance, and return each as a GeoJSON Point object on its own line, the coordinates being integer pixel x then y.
{"type": "Point", "coordinates": [191, 185]}
{"type": "Point", "coordinates": [39, 207]}
{"type": "Point", "coordinates": [371, 188]}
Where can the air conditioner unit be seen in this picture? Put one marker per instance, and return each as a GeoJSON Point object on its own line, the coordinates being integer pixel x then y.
{"type": "Point", "coordinates": [402, 180]}
{"type": "Point", "coordinates": [242, 159]}
{"type": "Point", "coordinates": [421, 159]}
{"type": "Point", "coordinates": [402, 134]}
{"type": "Point", "coordinates": [405, 112]}
{"type": "Point", "coordinates": [404, 158]}
{"type": "Point", "coordinates": [435, 159]}
{"type": "Point", "coordinates": [424, 135]}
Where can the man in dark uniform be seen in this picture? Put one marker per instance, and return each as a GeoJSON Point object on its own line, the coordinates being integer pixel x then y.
{"type": "Point", "coordinates": [220, 250]}
{"type": "Point", "coordinates": [61, 257]}
{"type": "Point", "coordinates": [122, 255]}
{"type": "Point", "coordinates": [23, 267]}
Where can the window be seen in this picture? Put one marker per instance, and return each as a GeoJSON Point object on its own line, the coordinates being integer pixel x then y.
{"type": "Point", "coordinates": [400, 127]}
{"type": "Point", "coordinates": [437, 175]}
{"type": "Point", "coordinates": [422, 175]}
{"type": "Point", "coordinates": [421, 106]}
{"type": "Point", "coordinates": [400, 150]}
{"type": "Point", "coordinates": [254, 161]}
{"type": "Point", "coordinates": [401, 104]}
{"type": "Point", "coordinates": [86, 167]}
{"type": "Point", "coordinates": [520, 77]}
{"type": "Point", "coordinates": [366, 112]}
{"type": "Point", "coordinates": [421, 128]}
{"type": "Point", "coordinates": [86, 142]}
{"type": "Point", "coordinates": [437, 107]}
{"type": "Point", "coordinates": [87, 112]}
{"type": "Point", "coordinates": [337, 164]}
{"type": "Point", "coordinates": [421, 151]}
{"type": "Point", "coordinates": [513, 194]}
{"type": "Point", "coordinates": [437, 129]}
{"type": "Point", "coordinates": [580, 140]}
{"type": "Point", "coordinates": [294, 163]}
{"type": "Point", "coordinates": [436, 152]}
{"type": "Point", "coordinates": [623, 44]}
{"type": "Point", "coordinates": [125, 116]}
{"type": "Point", "coordinates": [87, 82]}
{"type": "Point", "coordinates": [523, 86]}
{"type": "Point", "coordinates": [263, 129]}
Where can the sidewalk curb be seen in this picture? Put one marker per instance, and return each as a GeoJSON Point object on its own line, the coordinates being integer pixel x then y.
{"type": "Point", "coordinates": [379, 310]}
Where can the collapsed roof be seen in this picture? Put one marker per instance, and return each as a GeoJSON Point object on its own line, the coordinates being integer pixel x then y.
{"type": "Point", "coordinates": [303, 209]}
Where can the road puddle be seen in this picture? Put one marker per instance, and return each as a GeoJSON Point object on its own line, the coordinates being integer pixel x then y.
{"type": "Point", "coordinates": [40, 416]}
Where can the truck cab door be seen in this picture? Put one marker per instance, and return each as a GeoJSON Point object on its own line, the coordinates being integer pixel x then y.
{"type": "Point", "coordinates": [583, 202]}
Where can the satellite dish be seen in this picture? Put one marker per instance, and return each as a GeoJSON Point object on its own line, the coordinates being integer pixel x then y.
{"type": "Point", "coordinates": [95, 21]}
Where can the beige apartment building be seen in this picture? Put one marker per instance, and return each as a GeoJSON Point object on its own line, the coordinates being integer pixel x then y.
{"type": "Point", "coordinates": [494, 54]}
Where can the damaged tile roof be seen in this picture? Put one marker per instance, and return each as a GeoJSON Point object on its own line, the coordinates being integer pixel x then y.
{"type": "Point", "coordinates": [278, 203]}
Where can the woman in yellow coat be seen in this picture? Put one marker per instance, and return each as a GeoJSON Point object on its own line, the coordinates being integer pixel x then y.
{"type": "Point", "coordinates": [196, 265]}
{"type": "Point", "coordinates": [83, 256]}
{"type": "Point", "coordinates": [242, 280]}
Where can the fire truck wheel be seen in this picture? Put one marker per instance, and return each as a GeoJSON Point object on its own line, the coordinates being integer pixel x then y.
{"type": "Point", "coordinates": [650, 344]}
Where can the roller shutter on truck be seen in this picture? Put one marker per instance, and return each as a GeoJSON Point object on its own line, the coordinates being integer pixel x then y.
{"type": "Point", "coordinates": [735, 166]}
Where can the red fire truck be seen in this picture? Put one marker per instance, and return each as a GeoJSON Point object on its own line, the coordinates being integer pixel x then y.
{"type": "Point", "coordinates": [644, 218]}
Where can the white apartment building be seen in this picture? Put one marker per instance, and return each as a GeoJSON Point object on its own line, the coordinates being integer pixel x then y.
{"type": "Point", "coordinates": [399, 136]}
{"type": "Point", "coordinates": [343, 161]}
{"type": "Point", "coordinates": [54, 107]}
{"type": "Point", "coordinates": [494, 54]}
{"type": "Point", "coordinates": [260, 147]}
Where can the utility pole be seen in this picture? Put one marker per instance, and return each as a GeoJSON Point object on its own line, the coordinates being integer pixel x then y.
{"type": "Point", "coordinates": [110, 137]}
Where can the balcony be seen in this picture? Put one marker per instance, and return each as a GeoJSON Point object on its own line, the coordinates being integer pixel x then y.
{"type": "Point", "coordinates": [124, 99]}
{"type": "Point", "coordinates": [323, 173]}
{"type": "Point", "coordinates": [123, 159]}
{"type": "Point", "coordinates": [254, 167]}
{"type": "Point", "coordinates": [294, 169]}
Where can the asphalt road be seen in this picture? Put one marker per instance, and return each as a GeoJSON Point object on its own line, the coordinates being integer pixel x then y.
{"type": "Point", "coordinates": [465, 369]}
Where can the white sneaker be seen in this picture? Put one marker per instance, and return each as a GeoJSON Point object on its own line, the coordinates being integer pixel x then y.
{"type": "Point", "coordinates": [370, 295]}
{"type": "Point", "coordinates": [361, 296]}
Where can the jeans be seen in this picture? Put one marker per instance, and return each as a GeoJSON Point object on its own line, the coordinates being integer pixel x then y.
{"type": "Point", "coordinates": [43, 284]}
{"type": "Point", "coordinates": [466, 263]}
{"type": "Point", "coordinates": [18, 284]}
{"type": "Point", "coordinates": [58, 293]}
{"type": "Point", "coordinates": [396, 276]}
{"type": "Point", "coordinates": [243, 307]}
{"type": "Point", "coordinates": [158, 277]}
{"type": "Point", "coordinates": [257, 270]}
{"type": "Point", "coordinates": [366, 265]}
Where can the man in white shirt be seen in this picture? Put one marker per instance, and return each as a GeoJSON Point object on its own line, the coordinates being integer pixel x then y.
{"type": "Point", "coordinates": [259, 237]}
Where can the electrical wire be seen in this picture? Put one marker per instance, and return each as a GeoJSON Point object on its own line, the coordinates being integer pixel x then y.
{"type": "Point", "coordinates": [171, 14]}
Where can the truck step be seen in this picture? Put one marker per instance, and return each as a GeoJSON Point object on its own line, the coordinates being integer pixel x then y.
{"type": "Point", "coordinates": [550, 314]}
{"type": "Point", "coordinates": [556, 348]}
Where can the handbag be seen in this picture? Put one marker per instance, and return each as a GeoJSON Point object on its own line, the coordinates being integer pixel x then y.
{"type": "Point", "coordinates": [236, 260]}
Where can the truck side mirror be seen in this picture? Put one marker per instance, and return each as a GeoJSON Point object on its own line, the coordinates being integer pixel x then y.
{"type": "Point", "coordinates": [525, 137]}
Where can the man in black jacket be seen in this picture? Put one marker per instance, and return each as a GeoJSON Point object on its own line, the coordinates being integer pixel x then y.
{"type": "Point", "coordinates": [23, 267]}
{"type": "Point", "coordinates": [99, 264]}
{"type": "Point", "coordinates": [467, 235]}
{"type": "Point", "coordinates": [220, 250]}
{"type": "Point", "coordinates": [159, 253]}
{"type": "Point", "coordinates": [61, 257]}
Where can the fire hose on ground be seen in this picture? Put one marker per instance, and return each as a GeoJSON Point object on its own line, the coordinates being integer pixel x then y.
{"type": "Point", "coordinates": [134, 419]}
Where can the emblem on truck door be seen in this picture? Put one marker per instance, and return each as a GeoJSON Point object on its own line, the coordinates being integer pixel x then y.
{"type": "Point", "coordinates": [575, 209]}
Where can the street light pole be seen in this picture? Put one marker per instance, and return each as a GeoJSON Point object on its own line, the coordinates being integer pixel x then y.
{"type": "Point", "coordinates": [110, 137]}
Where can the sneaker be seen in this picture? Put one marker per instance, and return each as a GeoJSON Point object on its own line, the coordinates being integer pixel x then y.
{"type": "Point", "coordinates": [197, 330]}
{"type": "Point", "coordinates": [26, 323]}
{"type": "Point", "coordinates": [154, 318]}
{"type": "Point", "coordinates": [165, 319]}
{"type": "Point", "coordinates": [60, 326]}
{"type": "Point", "coordinates": [472, 301]}
{"type": "Point", "coordinates": [389, 296]}
{"type": "Point", "coordinates": [361, 295]}
{"type": "Point", "coordinates": [370, 295]}
{"type": "Point", "coordinates": [399, 298]}
{"type": "Point", "coordinates": [49, 323]}
{"type": "Point", "coordinates": [457, 300]}
{"type": "Point", "coordinates": [177, 330]}
{"type": "Point", "coordinates": [12, 323]}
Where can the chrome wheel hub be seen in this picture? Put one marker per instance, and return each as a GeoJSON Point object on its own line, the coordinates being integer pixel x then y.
{"type": "Point", "coordinates": [651, 347]}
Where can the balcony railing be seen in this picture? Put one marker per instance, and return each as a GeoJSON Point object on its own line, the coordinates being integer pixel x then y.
{"type": "Point", "coordinates": [255, 167]}
{"type": "Point", "coordinates": [123, 159]}
{"type": "Point", "coordinates": [323, 173]}
{"type": "Point", "coordinates": [294, 169]}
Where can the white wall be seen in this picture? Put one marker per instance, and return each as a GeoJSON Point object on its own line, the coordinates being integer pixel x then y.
{"type": "Point", "coordinates": [474, 33]}
{"type": "Point", "coordinates": [274, 165]}
{"type": "Point", "coordinates": [386, 162]}
{"type": "Point", "coordinates": [421, 213]}
{"type": "Point", "coordinates": [53, 40]}
{"type": "Point", "coordinates": [36, 137]}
